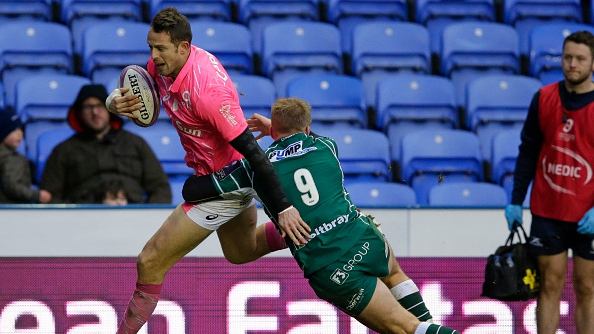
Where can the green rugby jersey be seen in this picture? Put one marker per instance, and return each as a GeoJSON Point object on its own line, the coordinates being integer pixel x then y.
{"type": "Point", "coordinates": [311, 175]}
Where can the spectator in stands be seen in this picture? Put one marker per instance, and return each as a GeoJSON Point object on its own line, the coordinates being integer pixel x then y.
{"type": "Point", "coordinates": [15, 171]}
{"type": "Point", "coordinates": [112, 192]}
{"type": "Point", "coordinates": [101, 150]}
{"type": "Point", "coordinates": [557, 154]}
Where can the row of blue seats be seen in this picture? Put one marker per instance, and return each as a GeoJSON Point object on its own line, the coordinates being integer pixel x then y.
{"type": "Point", "coordinates": [425, 40]}
{"type": "Point", "coordinates": [256, 14]}
{"type": "Point", "coordinates": [494, 103]}
{"type": "Point", "coordinates": [404, 103]}
{"type": "Point", "coordinates": [291, 49]}
{"type": "Point", "coordinates": [428, 158]}
{"type": "Point", "coordinates": [434, 162]}
{"type": "Point", "coordinates": [420, 11]}
{"type": "Point", "coordinates": [452, 194]}
{"type": "Point", "coordinates": [397, 195]}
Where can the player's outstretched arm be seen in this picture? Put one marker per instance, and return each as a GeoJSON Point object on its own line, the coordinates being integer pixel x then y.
{"type": "Point", "coordinates": [259, 123]}
{"type": "Point", "coordinates": [289, 218]}
{"type": "Point", "coordinates": [292, 225]}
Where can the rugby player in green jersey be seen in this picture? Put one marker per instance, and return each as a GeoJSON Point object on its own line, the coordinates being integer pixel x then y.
{"type": "Point", "coordinates": [347, 261]}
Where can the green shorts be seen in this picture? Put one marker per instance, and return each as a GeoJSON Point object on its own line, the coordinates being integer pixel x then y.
{"type": "Point", "coordinates": [349, 282]}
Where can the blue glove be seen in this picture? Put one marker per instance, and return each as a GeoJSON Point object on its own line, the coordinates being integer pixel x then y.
{"type": "Point", "coordinates": [586, 225]}
{"type": "Point", "coordinates": [513, 214]}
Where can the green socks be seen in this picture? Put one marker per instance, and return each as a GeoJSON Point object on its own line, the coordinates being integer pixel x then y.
{"type": "Point", "coordinates": [426, 328]}
{"type": "Point", "coordinates": [408, 295]}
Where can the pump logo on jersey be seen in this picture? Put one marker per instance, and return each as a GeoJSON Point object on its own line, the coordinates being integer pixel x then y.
{"type": "Point", "coordinates": [295, 149]}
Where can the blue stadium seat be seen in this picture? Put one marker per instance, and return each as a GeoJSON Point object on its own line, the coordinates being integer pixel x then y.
{"type": "Point", "coordinates": [256, 94]}
{"type": "Point", "coordinates": [468, 195]}
{"type": "Point", "coordinates": [504, 153]}
{"type": "Point", "coordinates": [34, 129]}
{"type": "Point", "coordinates": [45, 145]}
{"type": "Point", "coordinates": [364, 154]}
{"type": "Point", "coordinates": [26, 10]}
{"type": "Point", "coordinates": [47, 97]}
{"type": "Point", "coordinates": [108, 47]}
{"type": "Point", "coordinates": [422, 102]}
{"type": "Point", "coordinates": [335, 99]}
{"type": "Point", "coordinates": [162, 137]}
{"type": "Point", "coordinates": [230, 42]}
{"type": "Point", "coordinates": [79, 14]}
{"type": "Point", "coordinates": [546, 47]}
{"type": "Point", "coordinates": [113, 84]}
{"type": "Point", "coordinates": [473, 49]}
{"type": "Point", "coordinates": [382, 195]}
{"type": "Point", "coordinates": [437, 14]}
{"type": "Point", "coordinates": [381, 49]}
{"type": "Point", "coordinates": [291, 49]}
{"type": "Point", "coordinates": [498, 102]}
{"type": "Point", "coordinates": [32, 47]}
{"type": "Point", "coordinates": [525, 15]}
{"type": "Point", "coordinates": [431, 157]}
{"type": "Point", "coordinates": [347, 14]}
{"type": "Point", "coordinates": [265, 142]}
{"type": "Point", "coordinates": [259, 14]}
{"type": "Point", "coordinates": [196, 10]}
{"type": "Point", "coordinates": [515, 11]}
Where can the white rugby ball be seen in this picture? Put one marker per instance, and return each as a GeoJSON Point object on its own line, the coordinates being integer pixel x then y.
{"type": "Point", "coordinates": [144, 87]}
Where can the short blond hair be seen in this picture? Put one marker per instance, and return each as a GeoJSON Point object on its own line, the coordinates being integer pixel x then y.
{"type": "Point", "coordinates": [290, 114]}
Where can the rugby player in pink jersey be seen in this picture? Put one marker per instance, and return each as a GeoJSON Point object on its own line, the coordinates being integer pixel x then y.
{"type": "Point", "coordinates": [203, 105]}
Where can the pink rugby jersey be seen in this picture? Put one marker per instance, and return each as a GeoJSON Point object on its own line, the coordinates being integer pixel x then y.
{"type": "Point", "coordinates": [204, 108]}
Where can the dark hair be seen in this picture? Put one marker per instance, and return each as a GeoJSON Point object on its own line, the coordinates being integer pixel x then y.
{"type": "Point", "coordinates": [581, 37]}
{"type": "Point", "coordinates": [170, 21]}
{"type": "Point", "coordinates": [86, 91]}
{"type": "Point", "coordinates": [109, 186]}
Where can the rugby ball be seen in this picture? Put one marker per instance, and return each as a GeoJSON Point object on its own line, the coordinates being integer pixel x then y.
{"type": "Point", "coordinates": [143, 86]}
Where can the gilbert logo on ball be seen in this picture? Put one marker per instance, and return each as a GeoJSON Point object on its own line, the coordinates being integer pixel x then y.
{"type": "Point", "coordinates": [141, 84]}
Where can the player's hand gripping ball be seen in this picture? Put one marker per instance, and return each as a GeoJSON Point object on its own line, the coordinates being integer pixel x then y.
{"type": "Point", "coordinates": [141, 84]}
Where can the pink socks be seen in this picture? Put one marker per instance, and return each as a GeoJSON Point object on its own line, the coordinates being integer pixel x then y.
{"type": "Point", "coordinates": [141, 306]}
{"type": "Point", "coordinates": [273, 238]}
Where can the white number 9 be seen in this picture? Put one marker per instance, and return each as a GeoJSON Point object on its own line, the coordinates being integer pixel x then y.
{"type": "Point", "coordinates": [306, 185]}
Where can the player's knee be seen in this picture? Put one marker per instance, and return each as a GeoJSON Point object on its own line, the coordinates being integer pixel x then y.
{"type": "Point", "coordinates": [241, 255]}
{"type": "Point", "coordinates": [552, 287]}
{"type": "Point", "coordinates": [148, 259]}
{"type": "Point", "coordinates": [143, 262]}
{"type": "Point", "coordinates": [236, 258]}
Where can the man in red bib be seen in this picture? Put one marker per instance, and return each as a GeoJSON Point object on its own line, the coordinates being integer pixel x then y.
{"type": "Point", "coordinates": [557, 155]}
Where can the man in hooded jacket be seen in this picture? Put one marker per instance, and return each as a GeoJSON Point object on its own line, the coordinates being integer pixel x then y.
{"type": "Point", "coordinates": [101, 150]}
